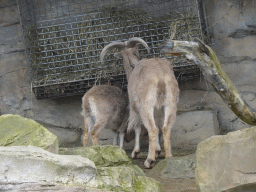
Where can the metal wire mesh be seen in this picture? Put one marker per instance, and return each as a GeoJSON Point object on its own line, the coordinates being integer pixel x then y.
{"type": "Point", "coordinates": [64, 39]}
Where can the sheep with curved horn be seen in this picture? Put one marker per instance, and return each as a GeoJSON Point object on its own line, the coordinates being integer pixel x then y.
{"type": "Point", "coordinates": [153, 93]}
{"type": "Point", "coordinates": [129, 52]}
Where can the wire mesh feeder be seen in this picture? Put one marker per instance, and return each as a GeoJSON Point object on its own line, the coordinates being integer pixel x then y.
{"type": "Point", "coordinates": [64, 39]}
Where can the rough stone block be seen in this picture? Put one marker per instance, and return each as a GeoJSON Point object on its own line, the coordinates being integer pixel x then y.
{"type": "Point", "coordinates": [227, 162]}
{"type": "Point", "coordinates": [175, 168]}
{"type": "Point", "coordinates": [124, 178]}
{"type": "Point", "coordinates": [9, 15]}
{"type": "Point", "coordinates": [40, 187]}
{"type": "Point", "coordinates": [115, 169]}
{"type": "Point", "coordinates": [16, 130]}
{"type": "Point", "coordinates": [107, 155]}
{"type": "Point", "coordinates": [33, 164]}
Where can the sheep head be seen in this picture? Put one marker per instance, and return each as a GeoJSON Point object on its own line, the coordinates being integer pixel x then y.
{"type": "Point", "coordinates": [128, 51]}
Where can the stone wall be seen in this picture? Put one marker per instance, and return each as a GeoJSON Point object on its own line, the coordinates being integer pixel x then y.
{"type": "Point", "coordinates": [232, 28]}
{"type": "Point", "coordinates": [61, 116]}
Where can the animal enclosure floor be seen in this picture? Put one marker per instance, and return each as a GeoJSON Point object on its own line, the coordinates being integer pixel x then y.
{"type": "Point", "coordinates": [169, 185]}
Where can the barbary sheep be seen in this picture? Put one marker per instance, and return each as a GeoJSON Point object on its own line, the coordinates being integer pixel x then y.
{"type": "Point", "coordinates": [153, 94]}
{"type": "Point", "coordinates": [104, 106]}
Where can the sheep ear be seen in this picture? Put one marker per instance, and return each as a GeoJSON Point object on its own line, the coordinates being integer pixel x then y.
{"type": "Point", "coordinates": [118, 55]}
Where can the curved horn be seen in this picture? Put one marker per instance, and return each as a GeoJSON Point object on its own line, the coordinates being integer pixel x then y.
{"type": "Point", "coordinates": [112, 45]}
{"type": "Point", "coordinates": [131, 42]}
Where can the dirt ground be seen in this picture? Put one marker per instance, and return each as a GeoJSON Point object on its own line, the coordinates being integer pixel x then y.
{"type": "Point", "coordinates": [169, 185]}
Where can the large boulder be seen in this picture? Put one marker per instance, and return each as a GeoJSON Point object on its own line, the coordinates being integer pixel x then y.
{"type": "Point", "coordinates": [101, 155]}
{"type": "Point", "coordinates": [227, 163]}
{"type": "Point", "coordinates": [33, 164]}
{"type": "Point", "coordinates": [16, 131]}
{"type": "Point", "coordinates": [124, 178]}
{"type": "Point", "coordinates": [39, 187]}
{"type": "Point", "coordinates": [175, 168]}
{"type": "Point", "coordinates": [115, 170]}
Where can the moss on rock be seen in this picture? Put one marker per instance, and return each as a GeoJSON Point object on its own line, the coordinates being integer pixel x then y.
{"type": "Point", "coordinates": [176, 167]}
{"type": "Point", "coordinates": [143, 184]}
{"type": "Point", "coordinates": [124, 178]}
{"type": "Point", "coordinates": [115, 171]}
{"type": "Point", "coordinates": [19, 131]}
{"type": "Point", "coordinates": [104, 156]}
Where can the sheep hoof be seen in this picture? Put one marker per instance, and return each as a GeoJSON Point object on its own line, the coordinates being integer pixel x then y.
{"type": "Point", "coordinates": [148, 163]}
{"type": "Point", "coordinates": [135, 154]}
{"type": "Point", "coordinates": [168, 156]}
{"type": "Point", "coordinates": [158, 153]}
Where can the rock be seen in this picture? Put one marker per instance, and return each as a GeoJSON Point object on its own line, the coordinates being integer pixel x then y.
{"type": "Point", "coordinates": [124, 178]}
{"type": "Point", "coordinates": [243, 188]}
{"type": "Point", "coordinates": [16, 131]}
{"type": "Point", "coordinates": [119, 178]}
{"type": "Point", "coordinates": [115, 170]}
{"type": "Point", "coordinates": [42, 187]}
{"type": "Point", "coordinates": [104, 156]}
{"type": "Point", "coordinates": [227, 162]}
{"type": "Point", "coordinates": [39, 187]}
{"type": "Point", "coordinates": [176, 167]}
{"type": "Point", "coordinates": [33, 164]}
{"type": "Point", "coordinates": [145, 184]}
{"type": "Point", "coordinates": [190, 128]}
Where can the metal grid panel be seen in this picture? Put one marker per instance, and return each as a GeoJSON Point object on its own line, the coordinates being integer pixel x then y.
{"type": "Point", "coordinates": [65, 37]}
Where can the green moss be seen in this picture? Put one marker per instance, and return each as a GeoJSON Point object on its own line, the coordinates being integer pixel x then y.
{"type": "Point", "coordinates": [121, 178]}
{"type": "Point", "coordinates": [159, 167]}
{"type": "Point", "coordinates": [16, 130]}
{"type": "Point", "coordinates": [106, 155]}
{"type": "Point", "coordinates": [147, 184]}
{"type": "Point", "coordinates": [115, 171]}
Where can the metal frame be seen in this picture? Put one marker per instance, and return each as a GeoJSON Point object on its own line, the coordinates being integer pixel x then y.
{"type": "Point", "coordinates": [65, 37]}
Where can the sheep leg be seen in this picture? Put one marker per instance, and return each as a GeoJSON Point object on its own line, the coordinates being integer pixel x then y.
{"type": "Point", "coordinates": [158, 147]}
{"type": "Point", "coordinates": [96, 130]}
{"type": "Point", "coordinates": [135, 124]}
{"type": "Point", "coordinates": [149, 122]}
{"type": "Point", "coordinates": [122, 130]}
{"type": "Point", "coordinates": [136, 149]}
{"type": "Point", "coordinates": [115, 138]}
{"type": "Point", "coordinates": [121, 140]}
{"type": "Point", "coordinates": [169, 120]}
{"type": "Point", "coordinates": [88, 124]}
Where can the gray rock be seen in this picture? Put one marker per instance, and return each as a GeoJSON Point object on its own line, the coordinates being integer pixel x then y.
{"type": "Point", "coordinates": [42, 187]}
{"type": "Point", "coordinates": [176, 167]}
{"type": "Point", "coordinates": [115, 170]}
{"type": "Point", "coordinates": [243, 188]}
{"type": "Point", "coordinates": [16, 130]}
{"type": "Point", "coordinates": [147, 184]}
{"type": "Point", "coordinates": [33, 164]}
{"type": "Point", "coordinates": [190, 128]}
{"type": "Point", "coordinates": [104, 156]}
{"type": "Point", "coordinates": [120, 178]}
{"type": "Point", "coordinates": [124, 178]}
{"type": "Point", "coordinates": [227, 162]}
{"type": "Point", "coordinates": [39, 187]}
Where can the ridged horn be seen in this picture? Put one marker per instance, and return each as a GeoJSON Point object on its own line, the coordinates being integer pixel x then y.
{"type": "Point", "coordinates": [112, 45]}
{"type": "Point", "coordinates": [134, 40]}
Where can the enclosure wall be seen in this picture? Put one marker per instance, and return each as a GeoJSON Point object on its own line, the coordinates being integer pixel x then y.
{"type": "Point", "coordinates": [232, 26]}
